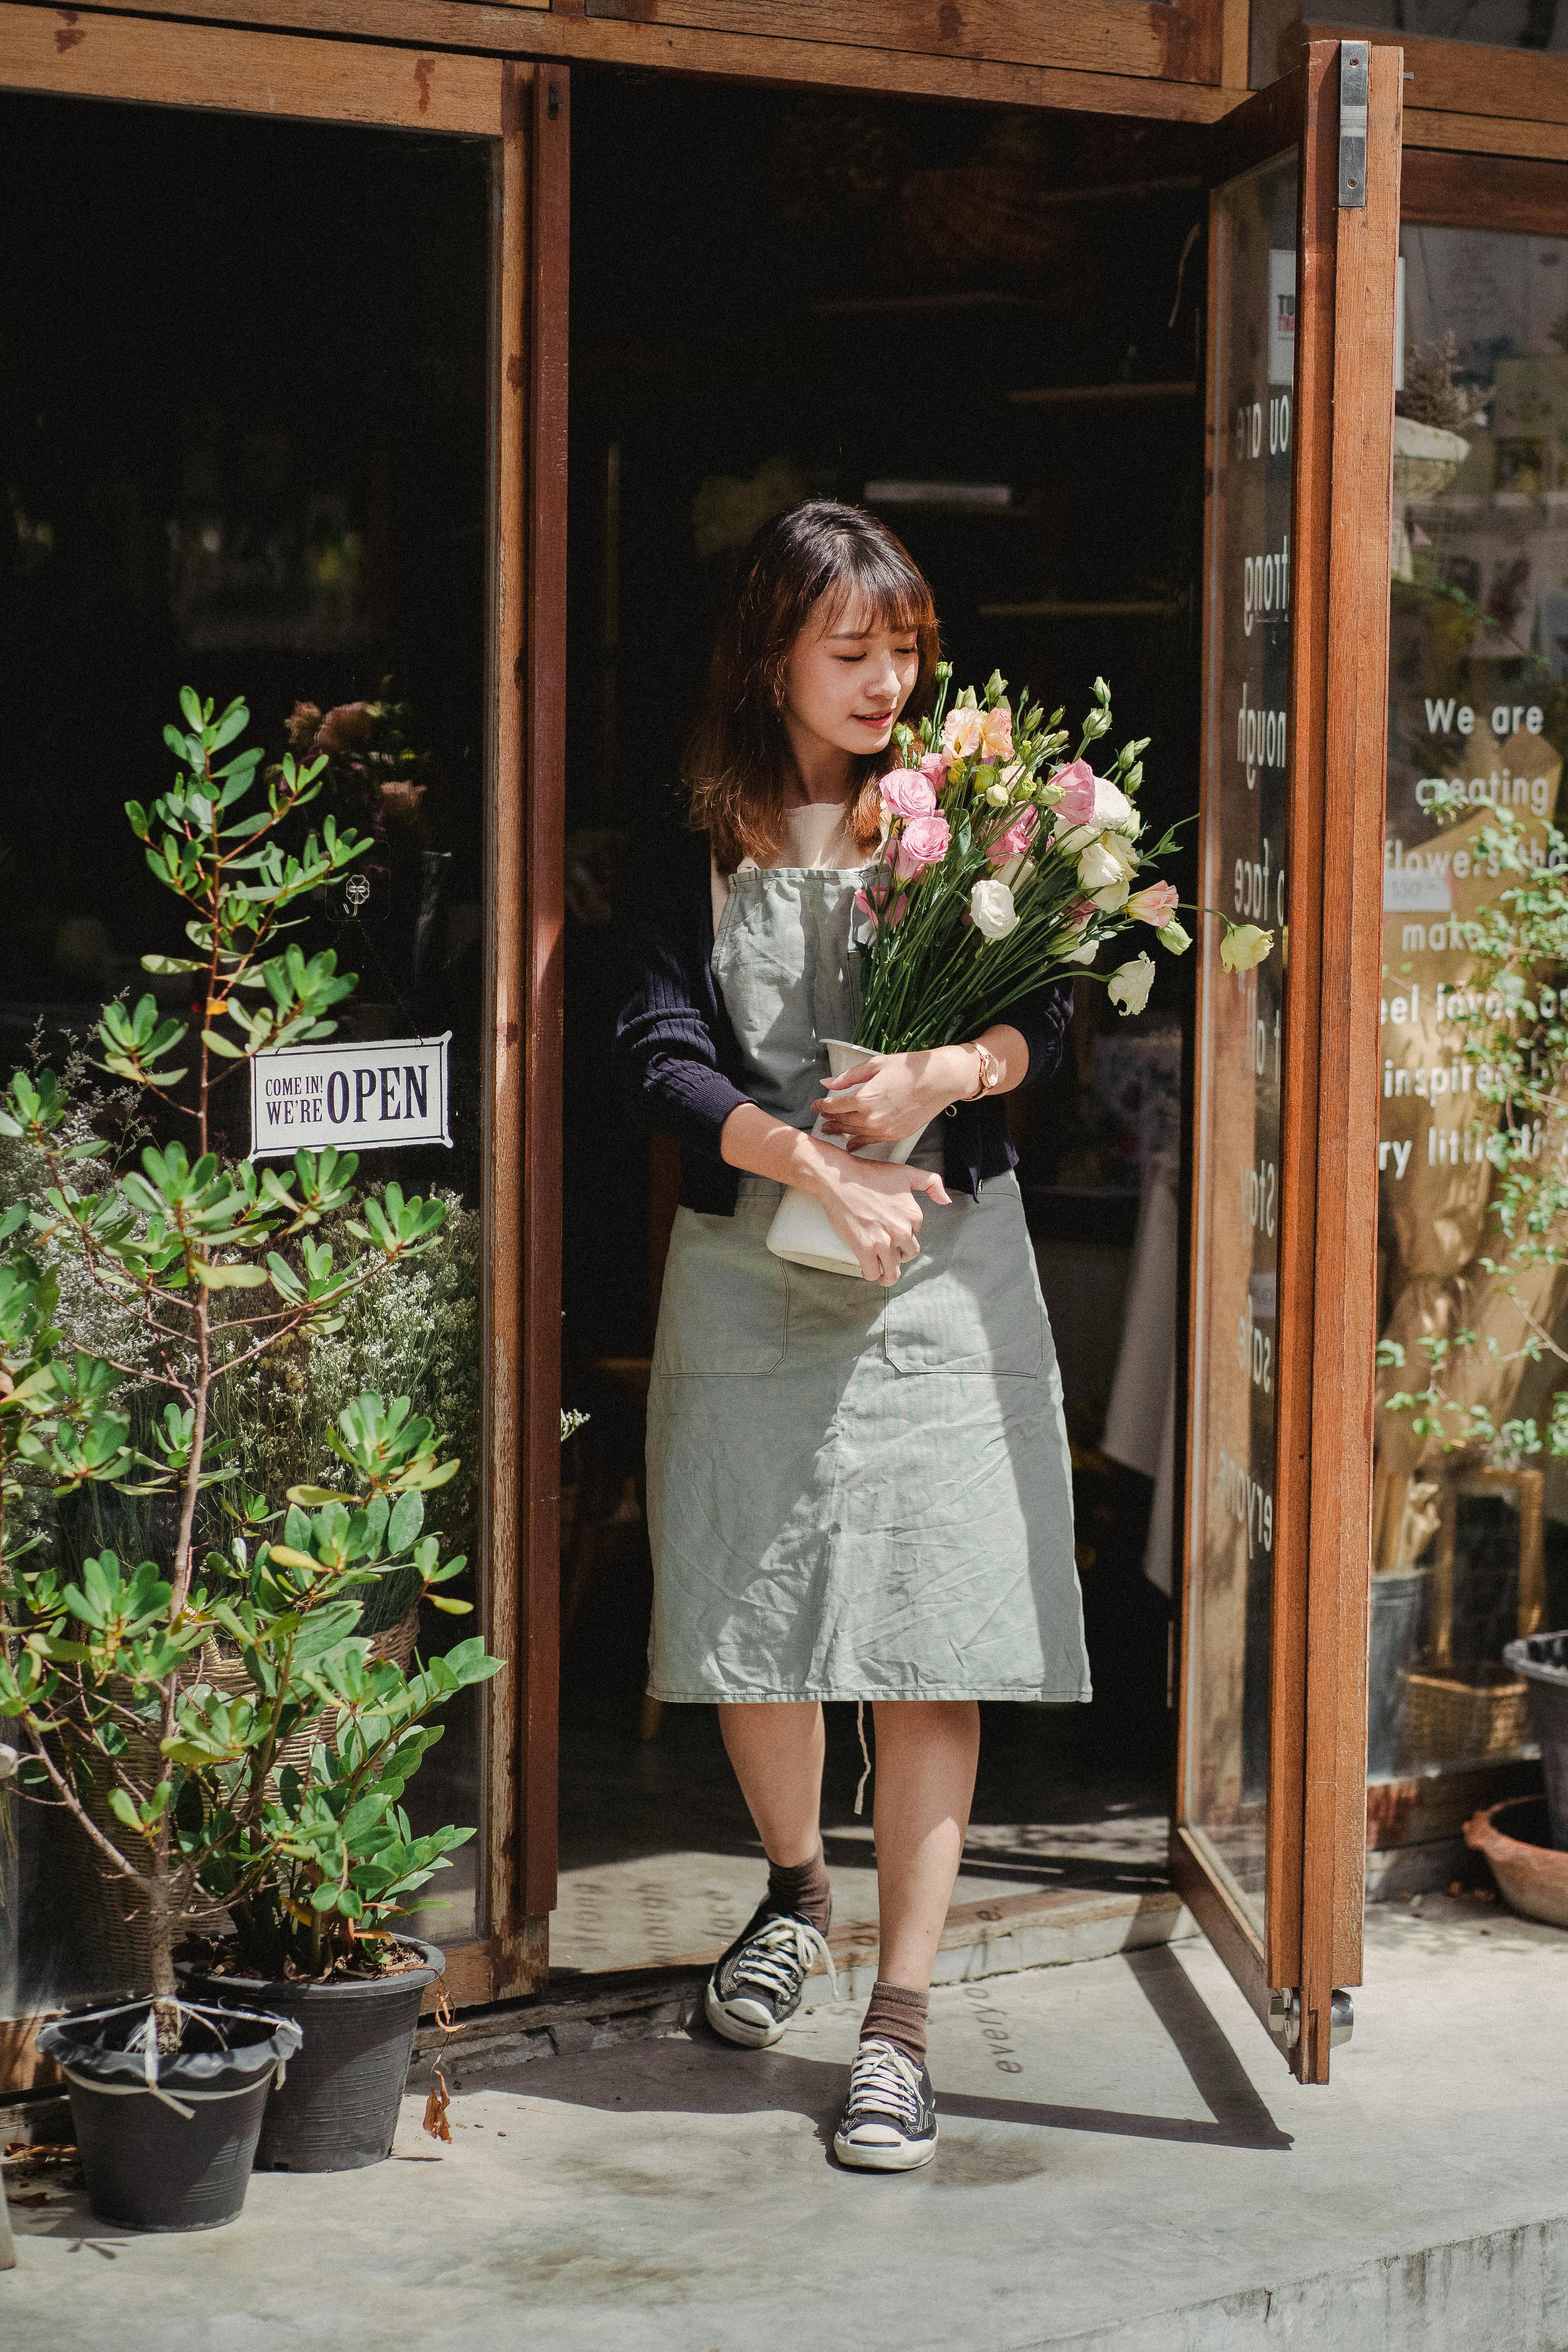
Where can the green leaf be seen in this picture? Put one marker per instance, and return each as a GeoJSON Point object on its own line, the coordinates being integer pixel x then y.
{"type": "Point", "coordinates": [452, 1608]}
{"type": "Point", "coordinates": [228, 1278]}
{"type": "Point", "coordinates": [312, 1498]}
{"type": "Point", "coordinates": [121, 1806]}
{"type": "Point", "coordinates": [292, 1559]}
{"type": "Point", "coordinates": [219, 1045]}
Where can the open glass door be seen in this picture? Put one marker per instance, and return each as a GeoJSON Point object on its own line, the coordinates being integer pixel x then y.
{"type": "Point", "coordinates": [1269, 1825]}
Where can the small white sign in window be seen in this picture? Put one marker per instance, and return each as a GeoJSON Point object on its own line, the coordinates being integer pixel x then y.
{"type": "Point", "coordinates": [360, 1098]}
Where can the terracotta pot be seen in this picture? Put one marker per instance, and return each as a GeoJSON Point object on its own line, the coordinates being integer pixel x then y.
{"type": "Point", "coordinates": [1533, 1879]}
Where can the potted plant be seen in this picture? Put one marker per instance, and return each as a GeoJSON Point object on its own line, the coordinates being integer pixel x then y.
{"type": "Point", "coordinates": [213, 1721]}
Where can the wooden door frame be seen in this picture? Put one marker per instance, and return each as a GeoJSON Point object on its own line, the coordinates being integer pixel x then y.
{"type": "Point", "coordinates": [1326, 1327]}
{"type": "Point", "coordinates": [521, 111]}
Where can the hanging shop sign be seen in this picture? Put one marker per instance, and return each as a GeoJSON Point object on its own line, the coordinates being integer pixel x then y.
{"type": "Point", "coordinates": [361, 1097]}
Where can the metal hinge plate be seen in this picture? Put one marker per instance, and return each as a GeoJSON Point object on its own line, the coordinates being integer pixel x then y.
{"type": "Point", "coordinates": [1354, 65]}
{"type": "Point", "coordinates": [1285, 2017]}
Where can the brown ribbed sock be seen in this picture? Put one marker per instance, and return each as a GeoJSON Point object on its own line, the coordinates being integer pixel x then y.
{"type": "Point", "coordinates": [898, 2015]}
{"type": "Point", "coordinates": [804, 1890]}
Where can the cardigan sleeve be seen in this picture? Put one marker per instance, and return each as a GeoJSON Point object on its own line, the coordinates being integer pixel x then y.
{"type": "Point", "coordinates": [1041, 1019]}
{"type": "Point", "coordinates": [666, 1050]}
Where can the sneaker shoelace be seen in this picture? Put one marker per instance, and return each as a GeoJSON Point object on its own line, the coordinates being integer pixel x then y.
{"type": "Point", "coordinates": [883, 2081]}
{"type": "Point", "coordinates": [780, 1953]}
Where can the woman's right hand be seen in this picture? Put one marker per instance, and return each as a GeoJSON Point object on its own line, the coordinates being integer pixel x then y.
{"type": "Point", "coordinates": [876, 1209]}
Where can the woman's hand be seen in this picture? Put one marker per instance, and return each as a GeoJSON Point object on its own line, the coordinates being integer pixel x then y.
{"type": "Point", "coordinates": [875, 1207]}
{"type": "Point", "coordinates": [882, 1102]}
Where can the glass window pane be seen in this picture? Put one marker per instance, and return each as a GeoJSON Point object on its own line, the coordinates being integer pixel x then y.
{"type": "Point", "coordinates": [1479, 703]}
{"type": "Point", "coordinates": [243, 412]}
{"type": "Point", "coordinates": [1240, 1026]}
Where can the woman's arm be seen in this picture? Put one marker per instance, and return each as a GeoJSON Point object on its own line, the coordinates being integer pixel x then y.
{"type": "Point", "coordinates": [665, 1052]}
{"type": "Point", "coordinates": [873, 1207]}
{"type": "Point", "coordinates": [882, 1101]}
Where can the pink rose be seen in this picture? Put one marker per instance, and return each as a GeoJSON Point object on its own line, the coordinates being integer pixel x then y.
{"type": "Point", "coordinates": [874, 912]}
{"type": "Point", "coordinates": [1076, 804]}
{"type": "Point", "coordinates": [922, 843]}
{"type": "Point", "coordinates": [1016, 839]}
{"type": "Point", "coordinates": [996, 733]}
{"type": "Point", "coordinates": [907, 793]}
{"type": "Point", "coordinates": [961, 734]}
{"type": "Point", "coordinates": [1155, 905]}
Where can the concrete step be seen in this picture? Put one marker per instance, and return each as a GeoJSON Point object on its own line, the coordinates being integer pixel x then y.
{"type": "Point", "coordinates": [1010, 1932]}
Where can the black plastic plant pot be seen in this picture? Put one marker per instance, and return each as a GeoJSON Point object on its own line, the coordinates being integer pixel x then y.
{"type": "Point", "coordinates": [168, 2142]}
{"type": "Point", "coordinates": [338, 2109]}
{"type": "Point", "coordinates": [1542, 1660]}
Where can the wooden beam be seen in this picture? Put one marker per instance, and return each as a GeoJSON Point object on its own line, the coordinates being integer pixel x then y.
{"type": "Point", "coordinates": [1138, 36]}
{"type": "Point", "coordinates": [702, 55]}
{"type": "Point", "coordinates": [542, 663]}
{"type": "Point", "coordinates": [504, 1533]}
{"type": "Point", "coordinates": [1350, 942]}
{"type": "Point", "coordinates": [1529, 197]}
{"type": "Point", "coordinates": [1195, 1875]}
{"type": "Point", "coordinates": [1469, 77]}
{"type": "Point", "coordinates": [68, 52]}
{"type": "Point", "coordinates": [1486, 134]}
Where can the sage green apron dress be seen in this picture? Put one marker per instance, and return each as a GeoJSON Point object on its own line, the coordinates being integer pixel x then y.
{"type": "Point", "coordinates": [853, 1493]}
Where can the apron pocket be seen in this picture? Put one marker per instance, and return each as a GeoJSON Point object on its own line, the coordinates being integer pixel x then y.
{"type": "Point", "coordinates": [722, 1315]}
{"type": "Point", "coordinates": [971, 1302]}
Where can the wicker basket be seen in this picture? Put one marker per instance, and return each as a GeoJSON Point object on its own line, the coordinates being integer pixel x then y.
{"type": "Point", "coordinates": [1481, 1711]}
{"type": "Point", "coordinates": [116, 1926]}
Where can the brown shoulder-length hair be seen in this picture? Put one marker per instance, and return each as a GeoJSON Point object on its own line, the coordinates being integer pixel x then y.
{"type": "Point", "coordinates": [738, 757]}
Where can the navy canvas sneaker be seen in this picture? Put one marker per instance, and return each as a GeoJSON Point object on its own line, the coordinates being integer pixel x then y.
{"type": "Point", "coordinates": [889, 2123]}
{"type": "Point", "coordinates": [756, 1987]}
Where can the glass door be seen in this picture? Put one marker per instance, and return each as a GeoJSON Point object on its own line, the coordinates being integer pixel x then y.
{"type": "Point", "coordinates": [1269, 1825]}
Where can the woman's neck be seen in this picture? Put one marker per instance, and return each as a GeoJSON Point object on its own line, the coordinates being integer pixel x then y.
{"type": "Point", "coordinates": [822, 773]}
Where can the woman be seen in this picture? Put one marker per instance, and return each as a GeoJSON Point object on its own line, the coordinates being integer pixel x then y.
{"type": "Point", "coordinates": [857, 1489]}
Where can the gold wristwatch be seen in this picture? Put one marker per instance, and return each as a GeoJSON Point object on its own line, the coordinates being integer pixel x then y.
{"type": "Point", "coordinates": [990, 1072]}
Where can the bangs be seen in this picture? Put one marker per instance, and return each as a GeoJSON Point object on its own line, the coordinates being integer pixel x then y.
{"type": "Point", "coordinates": [865, 586]}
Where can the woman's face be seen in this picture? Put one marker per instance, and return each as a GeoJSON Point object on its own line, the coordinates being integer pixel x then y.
{"type": "Point", "coordinates": [847, 681]}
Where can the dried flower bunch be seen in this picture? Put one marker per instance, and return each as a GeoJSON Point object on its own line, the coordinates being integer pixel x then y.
{"type": "Point", "coordinates": [1431, 396]}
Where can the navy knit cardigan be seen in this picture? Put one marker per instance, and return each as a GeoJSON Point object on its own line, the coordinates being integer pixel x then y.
{"type": "Point", "coordinates": [678, 1056]}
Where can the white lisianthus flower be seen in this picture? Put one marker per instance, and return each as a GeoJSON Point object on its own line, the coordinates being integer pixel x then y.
{"type": "Point", "coordinates": [1128, 988]}
{"type": "Point", "coordinates": [1170, 935]}
{"type": "Point", "coordinates": [1016, 871]}
{"type": "Point", "coordinates": [992, 910]}
{"type": "Point", "coordinates": [998, 793]}
{"type": "Point", "coordinates": [1107, 864]}
{"type": "Point", "coordinates": [1242, 946]}
{"type": "Point", "coordinates": [1072, 838]}
{"type": "Point", "coordinates": [1085, 954]}
{"type": "Point", "coordinates": [1113, 811]}
{"type": "Point", "coordinates": [1111, 900]}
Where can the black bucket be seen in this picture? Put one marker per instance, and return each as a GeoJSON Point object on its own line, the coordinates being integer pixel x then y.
{"type": "Point", "coordinates": [338, 2109]}
{"type": "Point", "coordinates": [168, 2144]}
{"type": "Point", "coordinates": [1398, 1595]}
{"type": "Point", "coordinates": [1542, 1660]}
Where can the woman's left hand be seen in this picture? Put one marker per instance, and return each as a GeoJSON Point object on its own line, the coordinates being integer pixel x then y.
{"type": "Point", "coordinates": [882, 1102]}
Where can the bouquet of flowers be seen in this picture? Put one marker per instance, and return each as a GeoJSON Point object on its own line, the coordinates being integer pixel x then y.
{"type": "Point", "coordinates": [1003, 865]}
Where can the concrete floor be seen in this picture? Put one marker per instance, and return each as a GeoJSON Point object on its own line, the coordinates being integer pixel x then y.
{"type": "Point", "coordinates": [1125, 2164]}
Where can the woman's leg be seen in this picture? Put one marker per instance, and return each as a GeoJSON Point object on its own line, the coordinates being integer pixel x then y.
{"type": "Point", "coordinates": [776, 1748]}
{"type": "Point", "coordinates": [926, 1751]}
